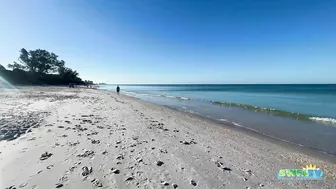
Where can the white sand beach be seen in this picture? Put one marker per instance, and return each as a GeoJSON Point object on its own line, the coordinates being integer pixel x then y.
{"type": "Point", "coordinates": [56, 137]}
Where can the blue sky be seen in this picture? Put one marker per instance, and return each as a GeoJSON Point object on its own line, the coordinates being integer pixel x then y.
{"type": "Point", "coordinates": [178, 41]}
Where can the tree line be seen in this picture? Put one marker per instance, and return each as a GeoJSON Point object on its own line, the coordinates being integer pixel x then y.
{"type": "Point", "coordinates": [40, 67]}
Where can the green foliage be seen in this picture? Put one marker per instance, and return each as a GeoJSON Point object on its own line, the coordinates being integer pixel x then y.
{"type": "Point", "coordinates": [88, 82]}
{"type": "Point", "coordinates": [39, 67]}
{"type": "Point", "coordinates": [38, 61]}
{"type": "Point", "coordinates": [15, 65]}
{"type": "Point", "coordinates": [2, 67]}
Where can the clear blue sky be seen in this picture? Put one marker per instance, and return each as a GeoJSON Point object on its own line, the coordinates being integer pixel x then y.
{"type": "Point", "coordinates": [178, 41]}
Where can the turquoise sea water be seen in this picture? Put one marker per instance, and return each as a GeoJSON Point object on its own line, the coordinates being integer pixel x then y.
{"type": "Point", "coordinates": [269, 109]}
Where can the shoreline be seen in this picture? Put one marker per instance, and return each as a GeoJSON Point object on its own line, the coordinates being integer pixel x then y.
{"type": "Point", "coordinates": [131, 143]}
{"type": "Point", "coordinates": [281, 112]}
{"type": "Point", "coordinates": [277, 141]}
{"type": "Point", "coordinates": [282, 128]}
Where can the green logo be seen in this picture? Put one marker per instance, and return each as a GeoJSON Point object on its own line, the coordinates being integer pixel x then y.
{"type": "Point", "coordinates": [308, 173]}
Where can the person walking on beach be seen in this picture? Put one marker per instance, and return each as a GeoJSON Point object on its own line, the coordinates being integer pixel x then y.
{"type": "Point", "coordinates": [118, 89]}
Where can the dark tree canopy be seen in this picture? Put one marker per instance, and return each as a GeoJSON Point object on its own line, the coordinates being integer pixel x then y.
{"type": "Point", "coordinates": [38, 61]}
{"type": "Point", "coordinates": [39, 67]}
{"type": "Point", "coordinates": [15, 65]}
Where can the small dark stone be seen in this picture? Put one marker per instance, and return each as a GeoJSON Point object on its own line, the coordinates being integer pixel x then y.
{"type": "Point", "coordinates": [115, 171]}
{"type": "Point", "coordinates": [95, 141]}
{"type": "Point", "coordinates": [129, 178]}
{"type": "Point", "coordinates": [175, 185]}
{"type": "Point", "coordinates": [185, 142]}
{"type": "Point", "coordinates": [58, 185]}
{"type": "Point", "coordinates": [164, 183]}
{"type": "Point", "coordinates": [159, 163]}
{"type": "Point", "coordinates": [227, 169]}
{"type": "Point", "coordinates": [120, 157]}
{"type": "Point", "coordinates": [192, 182]}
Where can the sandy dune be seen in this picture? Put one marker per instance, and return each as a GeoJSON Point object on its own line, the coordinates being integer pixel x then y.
{"type": "Point", "coordinates": [84, 138]}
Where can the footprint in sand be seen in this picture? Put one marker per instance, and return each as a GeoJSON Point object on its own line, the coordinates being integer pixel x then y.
{"type": "Point", "coordinates": [23, 185]}
{"type": "Point", "coordinates": [96, 182]}
{"type": "Point", "coordinates": [45, 156]}
{"type": "Point", "coordinates": [86, 171]}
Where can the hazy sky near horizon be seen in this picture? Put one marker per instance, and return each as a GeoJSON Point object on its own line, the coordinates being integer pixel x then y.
{"type": "Point", "coordinates": [178, 41]}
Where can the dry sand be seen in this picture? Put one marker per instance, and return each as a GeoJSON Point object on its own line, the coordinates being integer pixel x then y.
{"type": "Point", "coordinates": [85, 138]}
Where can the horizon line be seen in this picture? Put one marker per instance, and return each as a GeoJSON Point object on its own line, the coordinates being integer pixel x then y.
{"type": "Point", "coordinates": [217, 83]}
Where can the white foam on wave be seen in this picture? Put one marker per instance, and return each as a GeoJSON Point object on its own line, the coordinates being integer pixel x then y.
{"type": "Point", "coordinates": [176, 97]}
{"type": "Point", "coordinates": [225, 120]}
{"type": "Point", "coordinates": [129, 93]}
{"type": "Point", "coordinates": [190, 111]}
{"type": "Point", "coordinates": [237, 124]}
{"type": "Point", "coordinates": [323, 119]}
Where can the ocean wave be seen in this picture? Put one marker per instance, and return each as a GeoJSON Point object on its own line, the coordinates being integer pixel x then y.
{"type": "Point", "coordinates": [237, 124]}
{"type": "Point", "coordinates": [129, 92]}
{"type": "Point", "coordinates": [271, 111]}
{"type": "Point", "coordinates": [276, 112]}
{"type": "Point", "coordinates": [168, 96]}
{"type": "Point", "coordinates": [323, 119]}
{"type": "Point", "coordinates": [133, 93]}
{"type": "Point", "coordinates": [225, 120]}
{"type": "Point", "coordinates": [183, 98]}
{"type": "Point", "coordinates": [176, 97]}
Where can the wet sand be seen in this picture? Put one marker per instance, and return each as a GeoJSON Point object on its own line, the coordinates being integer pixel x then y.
{"type": "Point", "coordinates": [54, 137]}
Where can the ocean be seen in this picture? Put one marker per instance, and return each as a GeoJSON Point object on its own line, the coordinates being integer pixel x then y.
{"type": "Point", "coordinates": [304, 115]}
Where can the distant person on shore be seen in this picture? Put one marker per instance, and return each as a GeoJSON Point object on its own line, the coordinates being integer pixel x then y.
{"type": "Point", "coordinates": [118, 89]}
